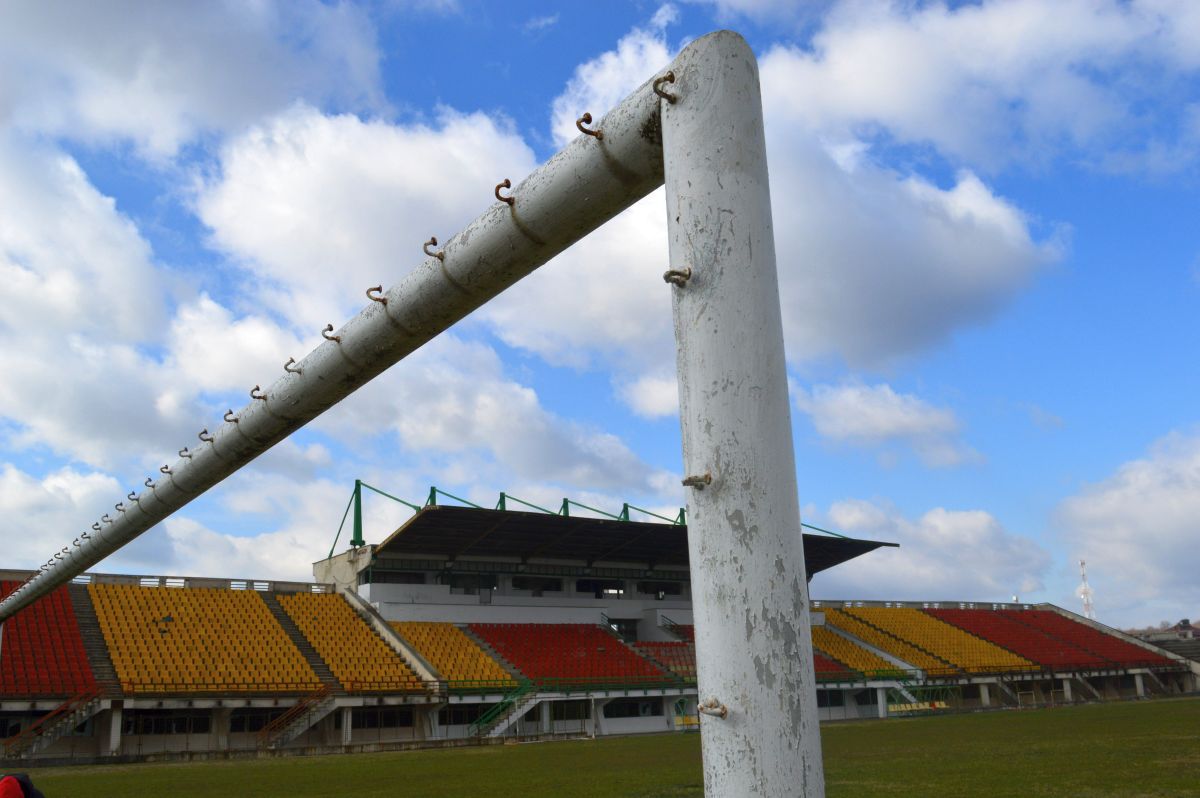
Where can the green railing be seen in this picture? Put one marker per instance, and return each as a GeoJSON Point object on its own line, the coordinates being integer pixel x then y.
{"type": "Point", "coordinates": [564, 510]}
{"type": "Point", "coordinates": [484, 721]}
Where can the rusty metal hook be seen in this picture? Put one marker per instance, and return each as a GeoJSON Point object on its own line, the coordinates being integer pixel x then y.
{"type": "Point", "coordinates": [658, 82]}
{"type": "Point", "coordinates": [698, 482]}
{"type": "Point", "coordinates": [328, 335]}
{"type": "Point", "coordinates": [506, 183]}
{"type": "Point", "coordinates": [289, 366]}
{"type": "Point", "coordinates": [204, 436]}
{"type": "Point", "coordinates": [230, 417]}
{"type": "Point", "coordinates": [713, 707]}
{"type": "Point", "coordinates": [678, 277]}
{"type": "Point", "coordinates": [256, 393]}
{"type": "Point", "coordinates": [375, 294]}
{"type": "Point", "coordinates": [432, 242]}
{"type": "Point", "coordinates": [165, 469]}
{"type": "Point", "coordinates": [586, 119]}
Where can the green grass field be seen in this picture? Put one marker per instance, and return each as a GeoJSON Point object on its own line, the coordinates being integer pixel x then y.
{"type": "Point", "coordinates": [1138, 749]}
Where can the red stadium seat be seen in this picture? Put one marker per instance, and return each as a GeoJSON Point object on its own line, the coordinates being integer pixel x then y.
{"type": "Point", "coordinates": [43, 653]}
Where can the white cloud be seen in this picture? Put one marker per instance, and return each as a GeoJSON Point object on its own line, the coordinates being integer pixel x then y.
{"type": "Point", "coordinates": [599, 84]}
{"type": "Point", "coordinates": [211, 350]}
{"type": "Point", "coordinates": [69, 261]}
{"type": "Point", "coordinates": [308, 190]}
{"type": "Point", "coordinates": [876, 416]}
{"type": "Point", "coordinates": [452, 398]}
{"type": "Point", "coordinates": [43, 514]}
{"type": "Point", "coordinates": [943, 555]}
{"type": "Point", "coordinates": [874, 264]}
{"type": "Point", "coordinates": [81, 298]}
{"type": "Point", "coordinates": [652, 395]}
{"type": "Point", "coordinates": [991, 82]}
{"type": "Point", "coordinates": [604, 299]}
{"type": "Point", "coordinates": [1138, 531]}
{"type": "Point", "coordinates": [317, 208]}
{"type": "Point", "coordinates": [161, 73]}
{"type": "Point", "coordinates": [537, 26]}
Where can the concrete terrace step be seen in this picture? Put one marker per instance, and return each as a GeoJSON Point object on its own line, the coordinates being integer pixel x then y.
{"type": "Point", "coordinates": [667, 672]}
{"type": "Point", "coordinates": [318, 665]}
{"type": "Point", "coordinates": [513, 670]}
{"type": "Point", "coordinates": [94, 644]}
{"type": "Point", "coordinates": [904, 640]}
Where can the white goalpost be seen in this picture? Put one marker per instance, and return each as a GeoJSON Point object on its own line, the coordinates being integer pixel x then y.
{"type": "Point", "coordinates": [696, 127]}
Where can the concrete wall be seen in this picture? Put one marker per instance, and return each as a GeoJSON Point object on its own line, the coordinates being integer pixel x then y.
{"type": "Point", "coordinates": [398, 602]}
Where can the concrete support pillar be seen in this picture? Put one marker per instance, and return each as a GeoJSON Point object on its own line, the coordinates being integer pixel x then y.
{"type": "Point", "coordinates": [433, 723]}
{"type": "Point", "coordinates": [750, 592]}
{"type": "Point", "coordinates": [1140, 684]}
{"type": "Point", "coordinates": [1066, 683]}
{"type": "Point", "coordinates": [220, 728]}
{"type": "Point", "coordinates": [545, 718]}
{"type": "Point", "coordinates": [347, 724]}
{"type": "Point", "coordinates": [985, 695]}
{"type": "Point", "coordinates": [108, 725]}
{"type": "Point", "coordinates": [881, 701]}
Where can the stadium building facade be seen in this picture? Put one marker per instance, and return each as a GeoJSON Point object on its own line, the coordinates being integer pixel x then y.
{"type": "Point", "coordinates": [473, 625]}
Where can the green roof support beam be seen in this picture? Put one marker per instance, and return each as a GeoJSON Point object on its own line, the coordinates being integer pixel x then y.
{"type": "Point", "coordinates": [357, 539]}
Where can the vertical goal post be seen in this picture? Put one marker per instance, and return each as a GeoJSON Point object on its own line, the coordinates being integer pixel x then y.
{"type": "Point", "coordinates": [696, 127]}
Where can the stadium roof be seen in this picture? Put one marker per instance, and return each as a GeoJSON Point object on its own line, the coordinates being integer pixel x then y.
{"type": "Point", "coordinates": [454, 532]}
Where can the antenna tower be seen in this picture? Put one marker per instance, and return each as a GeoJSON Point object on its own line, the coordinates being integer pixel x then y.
{"type": "Point", "coordinates": [1084, 591]}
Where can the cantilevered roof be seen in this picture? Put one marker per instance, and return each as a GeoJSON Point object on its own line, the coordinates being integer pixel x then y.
{"type": "Point", "coordinates": [453, 532]}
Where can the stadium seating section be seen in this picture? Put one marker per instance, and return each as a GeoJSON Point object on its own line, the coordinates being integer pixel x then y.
{"type": "Point", "coordinates": [679, 658]}
{"type": "Point", "coordinates": [358, 657]}
{"type": "Point", "coordinates": [1044, 649]}
{"type": "Point", "coordinates": [165, 640]}
{"type": "Point", "coordinates": [967, 652]}
{"type": "Point", "coordinates": [851, 654]}
{"type": "Point", "coordinates": [827, 668]}
{"type": "Point", "coordinates": [569, 653]}
{"type": "Point", "coordinates": [190, 640]}
{"type": "Point", "coordinates": [1111, 648]}
{"type": "Point", "coordinates": [883, 641]}
{"type": "Point", "coordinates": [42, 652]}
{"type": "Point", "coordinates": [462, 663]}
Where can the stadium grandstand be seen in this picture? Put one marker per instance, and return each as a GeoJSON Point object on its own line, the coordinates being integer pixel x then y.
{"type": "Point", "coordinates": [478, 624]}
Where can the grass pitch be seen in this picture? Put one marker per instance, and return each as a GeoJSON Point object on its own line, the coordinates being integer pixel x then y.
{"type": "Point", "coordinates": [1143, 750]}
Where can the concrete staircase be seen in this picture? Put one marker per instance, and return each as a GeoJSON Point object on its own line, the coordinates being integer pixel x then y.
{"type": "Point", "coordinates": [668, 674]}
{"type": "Point", "coordinates": [53, 726]}
{"type": "Point", "coordinates": [94, 644]}
{"type": "Point", "coordinates": [318, 665]}
{"type": "Point", "coordinates": [306, 713]}
{"type": "Point", "coordinates": [513, 670]}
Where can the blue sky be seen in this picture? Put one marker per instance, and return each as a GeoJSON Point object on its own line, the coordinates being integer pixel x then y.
{"type": "Point", "coordinates": [989, 258]}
